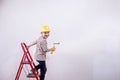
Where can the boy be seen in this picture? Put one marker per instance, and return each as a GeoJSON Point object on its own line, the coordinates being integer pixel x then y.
{"type": "Point", "coordinates": [41, 50]}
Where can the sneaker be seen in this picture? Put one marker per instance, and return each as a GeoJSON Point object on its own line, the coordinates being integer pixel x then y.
{"type": "Point", "coordinates": [30, 74]}
{"type": "Point", "coordinates": [34, 70]}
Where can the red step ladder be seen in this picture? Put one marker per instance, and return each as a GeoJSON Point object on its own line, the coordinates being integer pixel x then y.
{"type": "Point", "coordinates": [26, 59]}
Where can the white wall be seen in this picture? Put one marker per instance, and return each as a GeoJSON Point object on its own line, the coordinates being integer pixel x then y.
{"type": "Point", "coordinates": [89, 32]}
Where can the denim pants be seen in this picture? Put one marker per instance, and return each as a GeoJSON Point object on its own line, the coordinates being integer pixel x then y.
{"type": "Point", "coordinates": [43, 69]}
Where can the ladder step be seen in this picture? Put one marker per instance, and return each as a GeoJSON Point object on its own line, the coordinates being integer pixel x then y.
{"type": "Point", "coordinates": [26, 62]}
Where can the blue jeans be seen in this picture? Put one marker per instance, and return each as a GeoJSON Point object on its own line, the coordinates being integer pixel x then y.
{"type": "Point", "coordinates": [43, 69]}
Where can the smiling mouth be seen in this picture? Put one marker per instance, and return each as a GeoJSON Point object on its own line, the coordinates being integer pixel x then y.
{"type": "Point", "coordinates": [46, 36]}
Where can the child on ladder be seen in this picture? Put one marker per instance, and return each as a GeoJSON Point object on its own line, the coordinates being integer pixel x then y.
{"type": "Point", "coordinates": [41, 50]}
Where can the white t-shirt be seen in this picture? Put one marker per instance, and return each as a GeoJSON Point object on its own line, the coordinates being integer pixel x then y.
{"type": "Point", "coordinates": [41, 49]}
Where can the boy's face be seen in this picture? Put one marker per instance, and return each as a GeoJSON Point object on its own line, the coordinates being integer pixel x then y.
{"type": "Point", "coordinates": [45, 35]}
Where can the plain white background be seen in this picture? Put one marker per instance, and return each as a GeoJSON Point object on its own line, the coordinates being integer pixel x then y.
{"type": "Point", "coordinates": [88, 30]}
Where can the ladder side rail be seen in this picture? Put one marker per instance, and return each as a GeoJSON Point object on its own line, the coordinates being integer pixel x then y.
{"type": "Point", "coordinates": [20, 68]}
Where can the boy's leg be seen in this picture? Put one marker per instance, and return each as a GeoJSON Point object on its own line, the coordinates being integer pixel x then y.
{"type": "Point", "coordinates": [43, 69]}
{"type": "Point", "coordinates": [38, 66]}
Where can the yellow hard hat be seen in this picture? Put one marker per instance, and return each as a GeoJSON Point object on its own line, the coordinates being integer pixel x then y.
{"type": "Point", "coordinates": [44, 28]}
